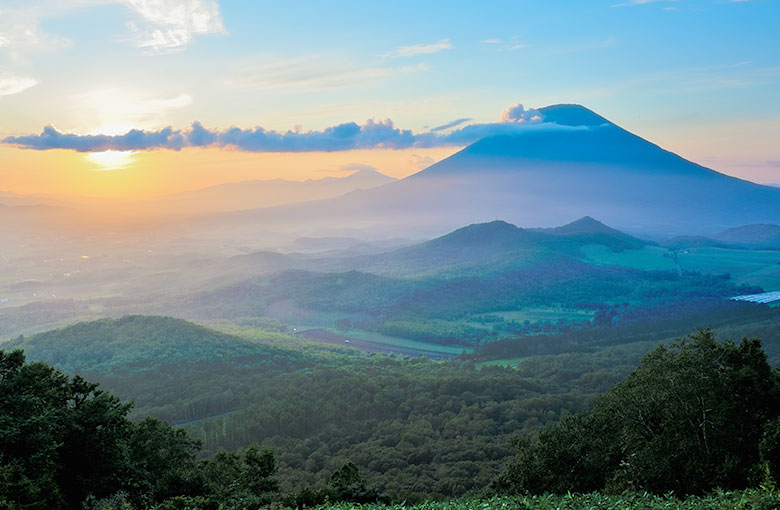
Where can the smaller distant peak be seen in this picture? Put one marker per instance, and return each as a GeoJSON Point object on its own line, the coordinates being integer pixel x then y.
{"type": "Point", "coordinates": [586, 224]}
{"type": "Point", "coordinates": [572, 115]}
{"type": "Point", "coordinates": [483, 231]}
{"type": "Point", "coordinates": [367, 173]}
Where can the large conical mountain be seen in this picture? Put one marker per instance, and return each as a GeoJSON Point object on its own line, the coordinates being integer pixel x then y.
{"type": "Point", "coordinates": [575, 163]}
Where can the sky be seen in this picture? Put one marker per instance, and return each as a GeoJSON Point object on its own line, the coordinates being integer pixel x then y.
{"type": "Point", "coordinates": [136, 98]}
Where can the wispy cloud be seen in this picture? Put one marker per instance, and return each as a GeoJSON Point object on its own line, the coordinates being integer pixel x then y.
{"type": "Point", "coordinates": [20, 31]}
{"type": "Point", "coordinates": [159, 26]}
{"type": "Point", "coordinates": [310, 73]}
{"type": "Point", "coordinates": [630, 3]}
{"type": "Point", "coordinates": [116, 110]}
{"type": "Point", "coordinates": [373, 134]}
{"type": "Point", "coordinates": [170, 25]}
{"type": "Point", "coordinates": [449, 125]}
{"type": "Point", "coordinates": [419, 49]}
{"type": "Point", "coordinates": [10, 85]}
{"type": "Point", "coordinates": [490, 41]}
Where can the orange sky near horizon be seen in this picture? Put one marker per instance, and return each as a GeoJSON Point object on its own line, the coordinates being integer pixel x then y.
{"type": "Point", "coordinates": [160, 172]}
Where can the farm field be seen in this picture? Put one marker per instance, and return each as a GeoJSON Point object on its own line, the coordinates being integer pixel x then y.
{"type": "Point", "coordinates": [370, 341]}
{"type": "Point", "coordinates": [509, 362]}
{"type": "Point", "coordinates": [647, 258]}
{"type": "Point", "coordinates": [751, 267]}
{"type": "Point", "coordinates": [546, 314]}
{"type": "Point", "coordinates": [754, 267]}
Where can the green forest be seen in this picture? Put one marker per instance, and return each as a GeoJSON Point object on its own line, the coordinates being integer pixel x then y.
{"type": "Point", "coordinates": [674, 423]}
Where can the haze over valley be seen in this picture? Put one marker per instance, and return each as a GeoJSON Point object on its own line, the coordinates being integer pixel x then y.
{"type": "Point", "coordinates": [275, 256]}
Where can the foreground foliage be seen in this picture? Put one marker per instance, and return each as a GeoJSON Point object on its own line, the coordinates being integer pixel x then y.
{"type": "Point", "coordinates": [695, 416]}
{"type": "Point", "coordinates": [749, 499]}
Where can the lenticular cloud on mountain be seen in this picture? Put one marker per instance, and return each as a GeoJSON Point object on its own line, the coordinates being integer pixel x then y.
{"type": "Point", "coordinates": [516, 113]}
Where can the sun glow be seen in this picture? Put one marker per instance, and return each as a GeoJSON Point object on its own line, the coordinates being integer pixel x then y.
{"type": "Point", "coordinates": [111, 160]}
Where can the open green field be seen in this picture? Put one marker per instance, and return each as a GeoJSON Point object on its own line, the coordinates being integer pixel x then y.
{"type": "Point", "coordinates": [753, 267]}
{"type": "Point", "coordinates": [404, 343]}
{"type": "Point", "coordinates": [546, 314]}
{"type": "Point", "coordinates": [510, 362]}
{"type": "Point", "coordinates": [648, 258]}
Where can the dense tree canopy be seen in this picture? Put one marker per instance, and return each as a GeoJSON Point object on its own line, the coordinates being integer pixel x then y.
{"type": "Point", "coordinates": [689, 419]}
{"type": "Point", "coordinates": [65, 443]}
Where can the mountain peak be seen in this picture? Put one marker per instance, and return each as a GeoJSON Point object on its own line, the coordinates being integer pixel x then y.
{"type": "Point", "coordinates": [591, 230]}
{"type": "Point", "coordinates": [492, 234]}
{"type": "Point", "coordinates": [368, 173]}
{"type": "Point", "coordinates": [585, 225]}
{"type": "Point", "coordinates": [572, 115]}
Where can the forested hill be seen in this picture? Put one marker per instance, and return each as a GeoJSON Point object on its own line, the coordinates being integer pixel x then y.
{"type": "Point", "coordinates": [173, 369]}
{"type": "Point", "coordinates": [378, 429]}
{"type": "Point", "coordinates": [498, 243]}
{"type": "Point", "coordinates": [139, 342]}
{"type": "Point", "coordinates": [414, 427]}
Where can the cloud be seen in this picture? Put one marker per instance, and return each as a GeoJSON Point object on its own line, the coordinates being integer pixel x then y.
{"type": "Point", "coordinates": [169, 25]}
{"type": "Point", "coordinates": [516, 113]}
{"type": "Point", "coordinates": [372, 134]}
{"type": "Point", "coordinates": [19, 29]}
{"type": "Point", "coordinates": [159, 26]}
{"type": "Point", "coordinates": [118, 109]}
{"type": "Point", "coordinates": [51, 138]}
{"type": "Point", "coordinates": [630, 3]}
{"type": "Point", "coordinates": [452, 124]}
{"type": "Point", "coordinates": [14, 84]}
{"type": "Point", "coordinates": [419, 49]}
{"type": "Point", "coordinates": [310, 73]}
{"type": "Point", "coordinates": [490, 41]}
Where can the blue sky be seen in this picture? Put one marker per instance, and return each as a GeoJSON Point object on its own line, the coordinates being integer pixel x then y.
{"type": "Point", "coordinates": [701, 78]}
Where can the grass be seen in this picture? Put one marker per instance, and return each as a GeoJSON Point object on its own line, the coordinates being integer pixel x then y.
{"type": "Point", "coordinates": [753, 267]}
{"type": "Point", "coordinates": [544, 314]}
{"type": "Point", "coordinates": [756, 267]}
{"type": "Point", "coordinates": [404, 343]}
{"type": "Point", "coordinates": [648, 258]}
{"type": "Point", "coordinates": [509, 362]}
{"type": "Point", "coordinates": [749, 499]}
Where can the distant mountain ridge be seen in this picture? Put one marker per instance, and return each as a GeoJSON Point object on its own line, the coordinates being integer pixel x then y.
{"type": "Point", "coordinates": [762, 235]}
{"type": "Point", "coordinates": [252, 194]}
{"type": "Point", "coordinates": [500, 244]}
{"type": "Point", "coordinates": [574, 164]}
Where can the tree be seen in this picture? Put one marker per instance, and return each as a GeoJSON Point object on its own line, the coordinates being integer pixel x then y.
{"type": "Point", "coordinates": [163, 462]}
{"type": "Point", "coordinates": [63, 441]}
{"type": "Point", "coordinates": [690, 418]}
{"type": "Point", "coordinates": [347, 485]}
{"type": "Point", "coordinates": [60, 439]}
{"type": "Point", "coordinates": [241, 480]}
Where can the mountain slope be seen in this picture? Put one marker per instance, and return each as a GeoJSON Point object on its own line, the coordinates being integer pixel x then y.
{"type": "Point", "coordinates": [138, 343]}
{"type": "Point", "coordinates": [236, 196]}
{"type": "Point", "coordinates": [574, 164]}
{"type": "Point", "coordinates": [765, 236]}
{"type": "Point", "coordinates": [587, 230]}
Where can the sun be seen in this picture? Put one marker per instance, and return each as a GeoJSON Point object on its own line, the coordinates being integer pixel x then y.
{"type": "Point", "coordinates": [111, 160]}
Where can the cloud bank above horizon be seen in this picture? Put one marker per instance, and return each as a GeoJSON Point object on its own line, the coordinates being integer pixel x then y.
{"type": "Point", "coordinates": [373, 134]}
